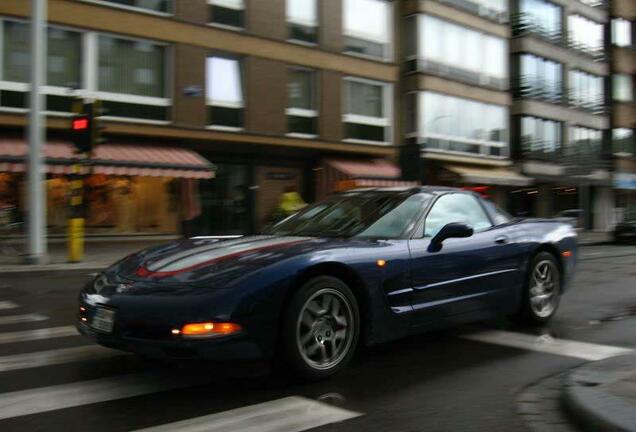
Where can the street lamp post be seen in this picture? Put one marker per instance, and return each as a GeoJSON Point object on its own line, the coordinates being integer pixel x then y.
{"type": "Point", "coordinates": [36, 219]}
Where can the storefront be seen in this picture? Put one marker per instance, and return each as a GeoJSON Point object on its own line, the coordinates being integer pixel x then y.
{"type": "Point", "coordinates": [128, 188]}
{"type": "Point", "coordinates": [625, 194]}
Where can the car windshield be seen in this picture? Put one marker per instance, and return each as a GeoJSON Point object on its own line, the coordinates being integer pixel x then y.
{"type": "Point", "coordinates": [368, 214]}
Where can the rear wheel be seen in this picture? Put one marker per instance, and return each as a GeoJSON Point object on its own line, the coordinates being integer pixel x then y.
{"type": "Point", "coordinates": [321, 328]}
{"type": "Point", "coordinates": [542, 292]}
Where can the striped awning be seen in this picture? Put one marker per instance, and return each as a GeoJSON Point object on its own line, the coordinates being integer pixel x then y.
{"type": "Point", "coordinates": [111, 159]}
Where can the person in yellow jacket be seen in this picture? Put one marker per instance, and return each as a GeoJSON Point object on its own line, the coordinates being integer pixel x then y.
{"type": "Point", "coordinates": [290, 202]}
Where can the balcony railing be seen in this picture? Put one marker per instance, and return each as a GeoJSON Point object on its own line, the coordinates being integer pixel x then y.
{"type": "Point", "coordinates": [575, 160]}
{"type": "Point", "coordinates": [593, 105]}
{"type": "Point", "coordinates": [481, 10]}
{"type": "Point", "coordinates": [525, 24]}
{"type": "Point", "coordinates": [596, 53]}
{"type": "Point", "coordinates": [532, 87]}
{"type": "Point", "coordinates": [414, 64]}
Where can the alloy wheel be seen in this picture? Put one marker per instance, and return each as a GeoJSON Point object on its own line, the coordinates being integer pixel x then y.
{"type": "Point", "coordinates": [544, 289]}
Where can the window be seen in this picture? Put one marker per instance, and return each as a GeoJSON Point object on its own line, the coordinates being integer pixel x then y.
{"type": "Point", "coordinates": [586, 91]}
{"type": "Point", "coordinates": [499, 216]}
{"type": "Point", "coordinates": [448, 123]}
{"type": "Point", "coordinates": [541, 18]}
{"type": "Point", "coordinates": [367, 110]}
{"type": "Point", "coordinates": [585, 35]}
{"type": "Point", "coordinates": [461, 53]}
{"type": "Point", "coordinates": [539, 78]}
{"type": "Point", "coordinates": [621, 32]}
{"type": "Point", "coordinates": [302, 20]}
{"type": "Point", "coordinates": [136, 69]}
{"type": "Point", "coordinates": [302, 113]}
{"type": "Point", "coordinates": [64, 59]}
{"type": "Point", "coordinates": [367, 27]}
{"type": "Point", "coordinates": [162, 6]}
{"type": "Point", "coordinates": [229, 13]}
{"type": "Point", "coordinates": [623, 141]}
{"type": "Point", "coordinates": [224, 93]}
{"type": "Point", "coordinates": [496, 10]}
{"type": "Point", "coordinates": [541, 137]}
{"type": "Point", "coordinates": [585, 142]}
{"type": "Point", "coordinates": [456, 207]}
{"type": "Point", "coordinates": [623, 88]}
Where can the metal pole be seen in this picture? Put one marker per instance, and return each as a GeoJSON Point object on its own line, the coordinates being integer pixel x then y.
{"type": "Point", "coordinates": [37, 210]}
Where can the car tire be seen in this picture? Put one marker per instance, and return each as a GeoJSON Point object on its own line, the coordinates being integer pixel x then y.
{"type": "Point", "coordinates": [321, 327]}
{"type": "Point", "coordinates": [542, 290]}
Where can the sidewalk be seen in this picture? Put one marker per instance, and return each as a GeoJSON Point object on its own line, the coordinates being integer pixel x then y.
{"type": "Point", "coordinates": [99, 253]}
{"type": "Point", "coordinates": [589, 238]}
{"type": "Point", "coordinates": [601, 396]}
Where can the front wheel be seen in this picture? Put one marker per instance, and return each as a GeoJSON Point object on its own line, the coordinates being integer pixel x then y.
{"type": "Point", "coordinates": [542, 292]}
{"type": "Point", "coordinates": [321, 328]}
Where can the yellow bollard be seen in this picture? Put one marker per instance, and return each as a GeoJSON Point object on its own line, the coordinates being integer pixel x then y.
{"type": "Point", "coordinates": [75, 233]}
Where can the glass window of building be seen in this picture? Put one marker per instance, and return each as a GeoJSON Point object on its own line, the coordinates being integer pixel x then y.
{"type": "Point", "coordinates": [585, 35]}
{"type": "Point", "coordinates": [623, 142]}
{"type": "Point", "coordinates": [302, 20]}
{"type": "Point", "coordinates": [539, 78]}
{"type": "Point", "coordinates": [163, 6]}
{"type": "Point", "coordinates": [302, 106]}
{"type": "Point", "coordinates": [367, 115]}
{"type": "Point", "coordinates": [541, 137]}
{"type": "Point", "coordinates": [450, 123]}
{"type": "Point", "coordinates": [64, 60]}
{"type": "Point", "coordinates": [622, 88]}
{"type": "Point", "coordinates": [461, 53]}
{"type": "Point", "coordinates": [585, 142]}
{"type": "Point", "coordinates": [586, 91]}
{"type": "Point", "coordinates": [228, 13]}
{"type": "Point", "coordinates": [495, 10]}
{"type": "Point", "coordinates": [136, 69]}
{"type": "Point", "coordinates": [540, 17]}
{"type": "Point", "coordinates": [621, 32]}
{"type": "Point", "coordinates": [224, 93]}
{"type": "Point", "coordinates": [367, 27]}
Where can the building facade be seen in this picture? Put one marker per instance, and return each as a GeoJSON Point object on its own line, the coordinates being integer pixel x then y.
{"type": "Point", "coordinates": [623, 64]}
{"type": "Point", "coordinates": [268, 96]}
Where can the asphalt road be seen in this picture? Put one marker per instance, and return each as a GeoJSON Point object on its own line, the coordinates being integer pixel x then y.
{"type": "Point", "coordinates": [467, 379]}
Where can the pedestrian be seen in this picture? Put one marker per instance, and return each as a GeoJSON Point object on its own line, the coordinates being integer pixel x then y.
{"type": "Point", "coordinates": [290, 202]}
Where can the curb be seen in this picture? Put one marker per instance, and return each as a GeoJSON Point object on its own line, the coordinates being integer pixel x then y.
{"type": "Point", "coordinates": [586, 397]}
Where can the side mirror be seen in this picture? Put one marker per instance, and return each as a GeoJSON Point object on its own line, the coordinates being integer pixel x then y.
{"type": "Point", "coordinates": [451, 230]}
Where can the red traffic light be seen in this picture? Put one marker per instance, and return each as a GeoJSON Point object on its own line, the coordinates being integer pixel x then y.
{"type": "Point", "coordinates": [79, 124]}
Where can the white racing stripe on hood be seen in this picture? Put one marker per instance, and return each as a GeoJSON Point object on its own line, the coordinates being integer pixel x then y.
{"type": "Point", "coordinates": [171, 264]}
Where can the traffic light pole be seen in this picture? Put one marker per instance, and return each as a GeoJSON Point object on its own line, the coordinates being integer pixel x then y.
{"type": "Point", "coordinates": [37, 253]}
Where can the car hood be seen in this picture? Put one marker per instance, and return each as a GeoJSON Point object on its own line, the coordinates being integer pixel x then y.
{"type": "Point", "coordinates": [217, 262]}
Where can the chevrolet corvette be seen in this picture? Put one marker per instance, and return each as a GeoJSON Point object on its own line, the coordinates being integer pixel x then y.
{"type": "Point", "coordinates": [360, 268]}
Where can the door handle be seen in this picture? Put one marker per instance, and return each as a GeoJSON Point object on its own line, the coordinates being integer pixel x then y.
{"type": "Point", "coordinates": [501, 240]}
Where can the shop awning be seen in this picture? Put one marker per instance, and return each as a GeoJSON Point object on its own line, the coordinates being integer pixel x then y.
{"type": "Point", "coordinates": [371, 169]}
{"type": "Point", "coordinates": [112, 159]}
{"type": "Point", "coordinates": [490, 176]}
{"type": "Point", "coordinates": [343, 185]}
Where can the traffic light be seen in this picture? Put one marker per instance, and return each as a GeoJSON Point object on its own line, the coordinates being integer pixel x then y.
{"type": "Point", "coordinates": [85, 126]}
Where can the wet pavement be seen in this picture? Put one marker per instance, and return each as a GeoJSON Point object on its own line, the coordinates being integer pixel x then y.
{"type": "Point", "coordinates": [439, 381]}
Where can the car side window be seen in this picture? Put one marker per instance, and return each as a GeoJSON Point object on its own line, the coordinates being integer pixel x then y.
{"type": "Point", "coordinates": [456, 207]}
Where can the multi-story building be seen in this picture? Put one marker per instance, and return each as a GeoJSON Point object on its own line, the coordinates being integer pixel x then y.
{"type": "Point", "coordinates": [560, 118]}
{"type": "Point", "coordinates": [213, 107]}
{"type": "Point", "coordinates": [623, 64]}
{"type": "Point", "coordinates": [456, 85]}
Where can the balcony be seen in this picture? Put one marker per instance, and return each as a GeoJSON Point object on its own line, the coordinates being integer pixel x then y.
{"type": "Point", "coordinates": [526, 25]}
{"type": "Point", "coordinates": [597, 54]}
{"type": "Point", "coordinates": [532, 87]}
{"type": "Point", "coordinates": [595, 106]}
{"type": "Point", "coordinates": [476, 8]}
{"type": "Point", "coordinates": [414, 64]}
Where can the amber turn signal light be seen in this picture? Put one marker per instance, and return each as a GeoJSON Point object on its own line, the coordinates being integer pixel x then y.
{"type": "Point", "coordinates": [566, 254]}
{"type": "Point", "coordinates": [208, 329]}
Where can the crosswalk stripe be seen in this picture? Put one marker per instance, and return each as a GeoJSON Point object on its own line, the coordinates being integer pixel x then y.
{"type": "Point", "coordinates": [44, 399]}
{"type": "Point", "coordinates": [290, 414]}
{"type": "Point", "coordinates": [54, 357]}
{"type": "Point", "coordinates": [4, 305]}
{"type": "Point", "coordinates": [547, 344]}
{"type": "Point", "coordinates": [16, 319]}
{"type": "Point", "coordinates": [31, 335]}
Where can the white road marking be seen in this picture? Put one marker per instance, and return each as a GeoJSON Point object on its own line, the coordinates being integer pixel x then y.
{"type": "Point", "coordinates": [31, 335]}
{"type": "Point", "coordinates": [290, 414]}
{"type": "Point", "coordinates": [547, 344]}
{"type": "Point", "coordinates": [55, 357]}
{"type": "Point", "coordinates": [4, 305]}
{"type": "Point", "coordinates": [16, 319]}
{"type": "Point", "coordinates": [44, 399]}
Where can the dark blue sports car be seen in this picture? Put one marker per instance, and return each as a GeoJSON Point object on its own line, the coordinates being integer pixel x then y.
{"type": "Point", "coordinates": [362, 267]}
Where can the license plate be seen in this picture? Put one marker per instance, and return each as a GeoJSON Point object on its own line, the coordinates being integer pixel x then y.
{"type": "Point", "coordinates": [103, 320]}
